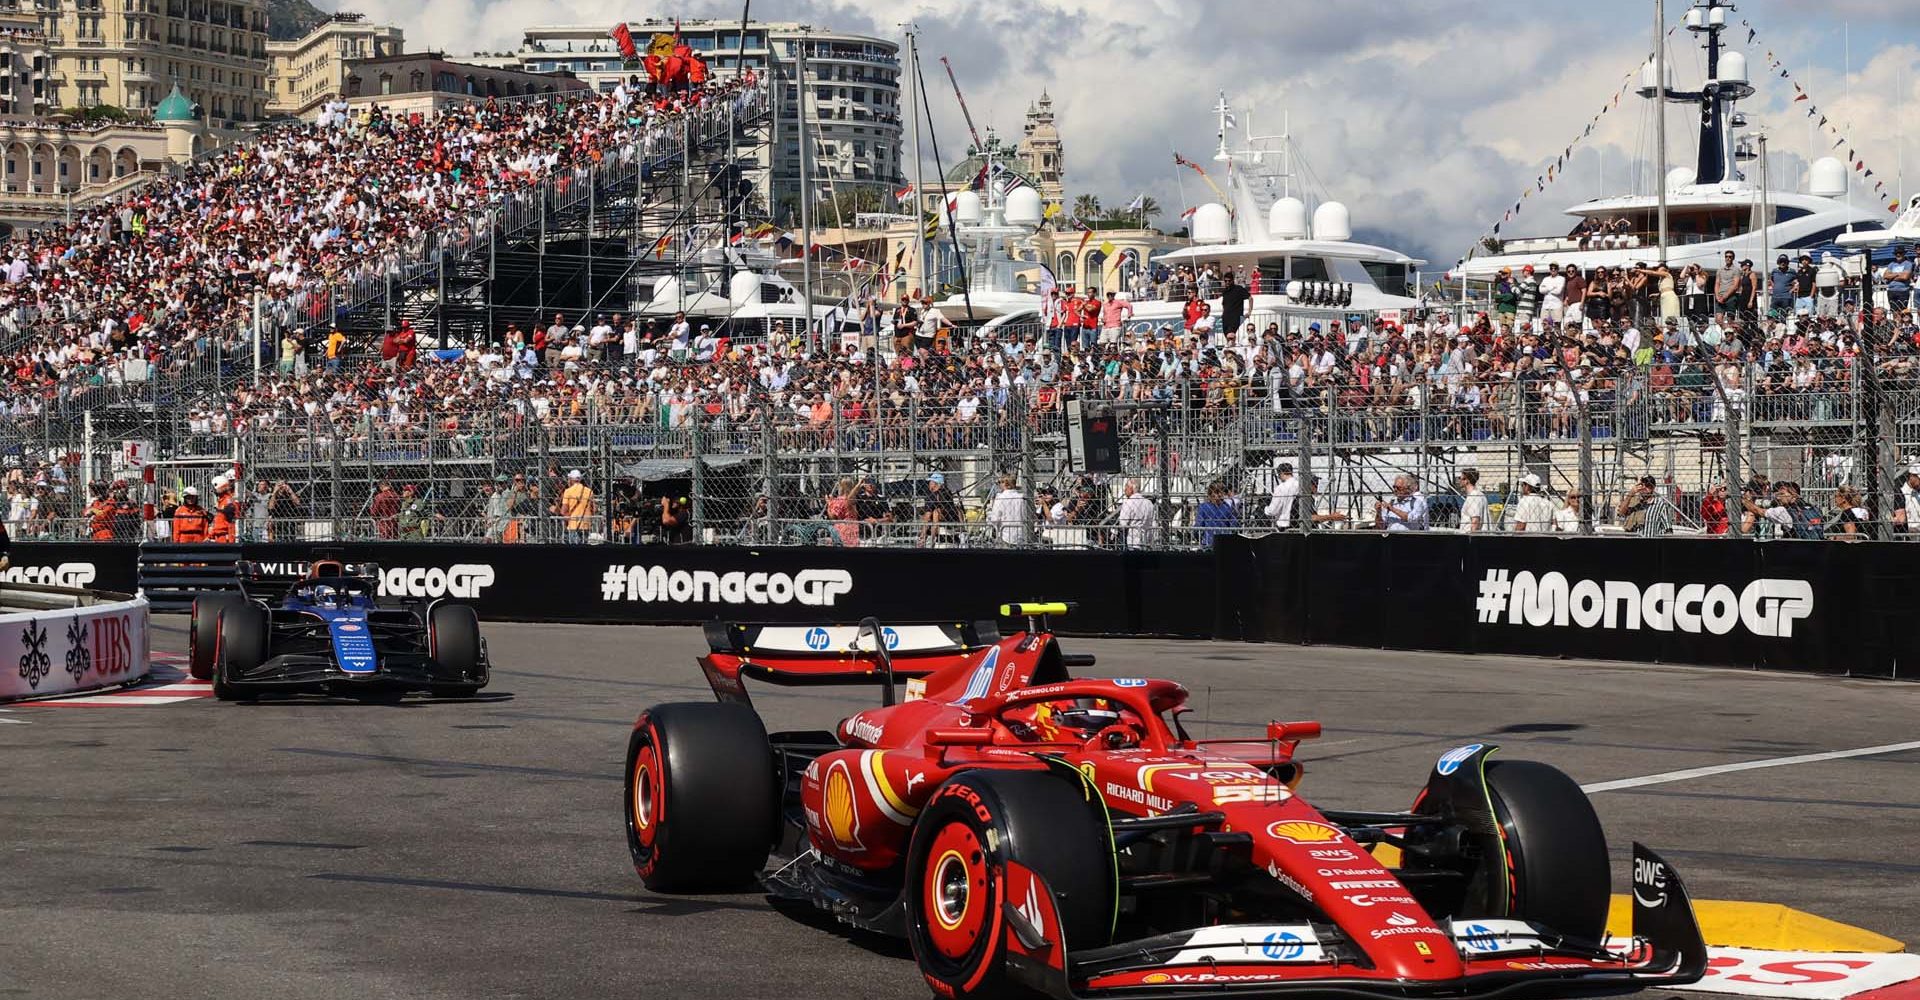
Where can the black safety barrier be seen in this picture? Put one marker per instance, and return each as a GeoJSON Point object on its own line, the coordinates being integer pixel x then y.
{"type": "Point", "coordinates": [1117, 593]}
{"type": "Point", "coordinates": [1824, 607]}
{"type": "Point", "coordinates": [1817, 606]}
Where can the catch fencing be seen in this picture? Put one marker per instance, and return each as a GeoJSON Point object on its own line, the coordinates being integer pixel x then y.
{"type": "Point", "coordinates": [855, 469]}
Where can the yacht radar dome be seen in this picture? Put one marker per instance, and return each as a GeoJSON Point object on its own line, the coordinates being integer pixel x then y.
{"type": "Point", "coordinates": [1331, 222]}
{"type": "Point", "coordinates": [1023, 207]}
{"type": "Point", "coordinates": [966, 208]}
{"type": "Point", "coordinates": [1288, 219]}
{"type": "Point", "coordinates": [1211, 224]}
{"type": "Point", "coordinates": [1732, 80]}
{"type": "Point", "coordinates": [1827, 178]}
{"type": "Point", "coordinates": [744, 289]}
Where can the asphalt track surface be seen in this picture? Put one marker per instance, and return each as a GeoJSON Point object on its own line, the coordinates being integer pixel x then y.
{"type": "Point", "coordinates": [318, 849]}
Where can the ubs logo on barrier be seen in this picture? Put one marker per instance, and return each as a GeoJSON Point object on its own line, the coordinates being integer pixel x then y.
{"type": "Point", "coordinates": [112, 645]}
{"type": "Point", "coordinates": [35, 664]}
{"type": "Point", "coordinates": [657, 584]}
{"type": "Point", "coordinates": [71, 574]}
{"type": "Point", "coordinates": [79, 655]}
{"type": "Point", "coordinates": [1766, 607]}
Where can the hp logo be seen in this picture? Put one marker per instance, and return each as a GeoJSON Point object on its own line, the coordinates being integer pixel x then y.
{"type": "Point", "coordinates": [817, 638]}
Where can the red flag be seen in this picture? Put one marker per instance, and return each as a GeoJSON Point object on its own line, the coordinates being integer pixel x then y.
{"type": "Point", "coordinates": [1801, 97]}
{"type": "Point", "coordinates": [736, 238]}
{"type": "Point", "coordinates": [1188, 214]}
{"type": "Point", "coordinates": [623, 36]}
{"type": "Point", "coordinates": [901, 194]}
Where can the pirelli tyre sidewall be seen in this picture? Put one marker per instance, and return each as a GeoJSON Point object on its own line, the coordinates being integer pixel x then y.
{"type": "Point", "coordinates": [700, 798]}
{"type": "Point", "coordinates": [1556, 848]}
{"type": "Point", "coordinates": [203, 632]}
{"type": "Point", "coordinates": [957, 874]}
{"type": "Point", "coordinates": [242, 645]}
{"type": "Point", "coordinates": [453, 645]}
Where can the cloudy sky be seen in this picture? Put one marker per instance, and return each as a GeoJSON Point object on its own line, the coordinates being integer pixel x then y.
{"type": "Point", "coordinates": [1427, 117]}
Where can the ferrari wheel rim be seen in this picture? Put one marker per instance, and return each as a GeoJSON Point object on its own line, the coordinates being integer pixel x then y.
{"type": "Point", "coordinates": [646, 795]}
{"type": "Point", "coordinates": [955, 892]}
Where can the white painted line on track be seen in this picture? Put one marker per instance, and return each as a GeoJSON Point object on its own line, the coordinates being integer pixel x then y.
{"type": "Point", "coordinates": [1746, 765]}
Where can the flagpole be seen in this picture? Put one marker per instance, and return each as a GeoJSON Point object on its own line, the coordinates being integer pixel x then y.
{"type": "Point", "coordinates": [919, 182]}
{"type": "Point", "coordinates": [1660, 116]}
{"type": "Point", "coordinates": [806, 195]}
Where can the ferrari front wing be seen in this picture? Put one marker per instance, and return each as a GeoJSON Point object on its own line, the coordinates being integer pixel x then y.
{"type": "Point", "coordinates": [1499, 958]}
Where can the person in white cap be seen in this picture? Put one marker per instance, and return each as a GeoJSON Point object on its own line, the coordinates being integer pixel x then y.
{"type": "Point", "coordinates": [575, 509]}
{"type": "Point", "coordinates": [1534, 512]}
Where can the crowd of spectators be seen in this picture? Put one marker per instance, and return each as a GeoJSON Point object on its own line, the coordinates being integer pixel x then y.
{"type": "Point", "coordinates": [171, 275]}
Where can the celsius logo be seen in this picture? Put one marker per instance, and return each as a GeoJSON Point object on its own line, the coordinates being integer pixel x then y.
{"type": "Point", "coordinates": [811, 587]}
{"type": "Point", "coordinates": [73, 574]}
{"type": "Point", "coordinates": [1766, 607]}
{"type": "Point", "coordinates": [462, 580]}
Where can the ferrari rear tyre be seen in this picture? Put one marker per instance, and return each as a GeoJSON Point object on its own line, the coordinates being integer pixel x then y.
{"type": "Point", "coordinates": [203, 632]}
{"type": "Point", "coordinates": [1556, 848]}
{"type": "Point", "coordinates": [701, 805]}
{"type": "Point", "coordinates": [453, 644]}
{"type": "Point", "coordinates": [243, 632]}
{"type": "Point", "coordinates": [971, 831]}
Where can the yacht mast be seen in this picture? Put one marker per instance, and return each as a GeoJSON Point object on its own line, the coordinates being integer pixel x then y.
{"type": "Point", "coordinates": [1660, 116]}
{"type": "Point", "coordinates": [806, 196]}
{"type": "Point", "coordinates": [919, 182]}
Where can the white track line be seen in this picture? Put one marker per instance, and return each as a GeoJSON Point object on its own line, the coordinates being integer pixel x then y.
{"type": "Point", "coordinates": [1746, 765]}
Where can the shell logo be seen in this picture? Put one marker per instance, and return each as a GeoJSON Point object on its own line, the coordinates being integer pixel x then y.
{"type": "Point", "coordinates": [1303, 832]}
{"type": "Point", "coordinates": [1156, 979]}
{"type": "Point", "coordinates": [839, 810]}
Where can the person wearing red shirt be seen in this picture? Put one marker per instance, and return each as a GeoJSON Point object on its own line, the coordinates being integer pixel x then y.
{"type": "Point", "coordinates": [1089, 320]}
{"type": "Point", "coordinates": [1713, 510]}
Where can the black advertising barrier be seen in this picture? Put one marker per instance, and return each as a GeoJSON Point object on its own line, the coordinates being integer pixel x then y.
{"type": "Point", "coordinates": [1815, 606]}
{"type": "Point", "coordinates": [1818, 606]}
{"type": "Point", "coordinates": [99, 565]}
{"type": "Point", "coordinates": [1121, 593]}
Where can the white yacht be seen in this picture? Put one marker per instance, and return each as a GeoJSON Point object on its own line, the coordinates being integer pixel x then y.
{"type": "Point", "coordinates": [1712, 207]}
{"type": "Point", "coordinates": [1300, 264]}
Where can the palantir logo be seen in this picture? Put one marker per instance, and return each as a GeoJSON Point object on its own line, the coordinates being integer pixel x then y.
{"type": "Point", "coordinates": [1766, 607]}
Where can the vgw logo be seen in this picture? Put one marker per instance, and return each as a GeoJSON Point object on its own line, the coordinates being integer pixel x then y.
{"type": "Point", "coordinates": [461, 580]}
{"type": "Point", "coordinates": [1767, 607]}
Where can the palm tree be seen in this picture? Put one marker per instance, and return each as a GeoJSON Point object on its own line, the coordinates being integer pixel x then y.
{"type": "Point", "coordinates": [1086, 206]}
{"type": "Point", "coordinates": [1148, 208]}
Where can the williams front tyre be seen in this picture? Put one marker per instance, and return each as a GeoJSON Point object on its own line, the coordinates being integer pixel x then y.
{"type": "Point", "coordinates": [453, 644]}
{"type": "Point", "coordinates": [243, 633]}
{"type": "Point", "coordinates": [701, 805]}
{"type": "Point", "coordinates": [203, 632]}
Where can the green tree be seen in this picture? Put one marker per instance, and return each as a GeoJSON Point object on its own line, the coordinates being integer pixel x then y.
{"type": "Point", "coordinates": [1086, 206]}
{"type": "Point", "coordinates": [847, 201]}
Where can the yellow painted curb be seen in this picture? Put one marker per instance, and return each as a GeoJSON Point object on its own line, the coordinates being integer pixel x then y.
{"type": "Point", "coordinates": [1770, 926]}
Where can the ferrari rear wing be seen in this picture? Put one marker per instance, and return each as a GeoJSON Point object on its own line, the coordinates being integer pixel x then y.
{"type": "Point", "coordinates": [863, 653]}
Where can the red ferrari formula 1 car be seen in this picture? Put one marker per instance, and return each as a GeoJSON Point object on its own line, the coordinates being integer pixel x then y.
{"type": "Point", "coordinates": [1033, 834]}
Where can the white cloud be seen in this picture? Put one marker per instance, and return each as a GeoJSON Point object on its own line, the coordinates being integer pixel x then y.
{"type": "Point", "coordinates": [1427, 118]}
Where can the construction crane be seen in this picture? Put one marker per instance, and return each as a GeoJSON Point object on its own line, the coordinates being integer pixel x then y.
{"type": "Point", "coordinates": [972, 132]}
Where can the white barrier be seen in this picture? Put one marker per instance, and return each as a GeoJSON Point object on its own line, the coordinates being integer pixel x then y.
{"type": "Point", "coordinates": [57, 652]}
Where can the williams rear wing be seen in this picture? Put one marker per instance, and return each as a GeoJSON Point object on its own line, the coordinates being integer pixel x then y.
{"type": "Point", "coordinates": [864, 653]}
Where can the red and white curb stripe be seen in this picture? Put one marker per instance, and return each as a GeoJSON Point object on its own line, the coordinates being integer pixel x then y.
{"type": "Point", "coordinates": [168, 684]}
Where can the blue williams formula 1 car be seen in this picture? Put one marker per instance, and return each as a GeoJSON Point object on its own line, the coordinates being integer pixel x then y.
{"type": "Point", "coordinates": [330, 633]}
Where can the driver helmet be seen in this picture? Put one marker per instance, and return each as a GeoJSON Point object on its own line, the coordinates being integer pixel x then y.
{"type": "Point", "coordinates": [1068, 719]}
{"type": "Point", "coordinates": [327, 595]}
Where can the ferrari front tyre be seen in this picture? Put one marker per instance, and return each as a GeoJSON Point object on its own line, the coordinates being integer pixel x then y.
{"type": "Point", "coordinates": [970, 831]}
{"type": "Point", "coordinates": [242, 645]}
{"type": "Point", "coordinates": [701, 803]}
{"type": "Point", "coordinates": [1556, 849]}
{"type": "Point", "coordinates": [203, 632]}
{"type": "Point", "coordinates": [453, 645]}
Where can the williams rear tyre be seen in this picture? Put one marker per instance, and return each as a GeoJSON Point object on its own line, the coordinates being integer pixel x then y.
{"type": "Point", "coordinates": [453, 645]}
{"type": "Point", "coordinates": [1556, 849]}
{"type": "Point", "coordinates": [243, 633]}
{"type": "Point", "coordinates": [971, 831]}
{"type": "Point", "coordinates": [701, 803]}
{"type": "Point", "coordinates": [203, 632]}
